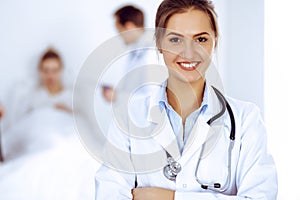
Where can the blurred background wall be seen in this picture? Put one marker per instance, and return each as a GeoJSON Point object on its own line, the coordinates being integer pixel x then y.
{"type": "Point", "coordinates": [77, 27]}
{"type": "Point", "coordinates": [250, 70]}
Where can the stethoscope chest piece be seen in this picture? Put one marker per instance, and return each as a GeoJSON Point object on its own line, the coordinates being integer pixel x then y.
{"type": "Point", "coordinates": [172, 169]}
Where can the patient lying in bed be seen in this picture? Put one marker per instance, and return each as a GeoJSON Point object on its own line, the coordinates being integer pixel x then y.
{"type": "Point", "coordinates": [43, 115]}
{"type": "Point", "coordinates": [43, 156]}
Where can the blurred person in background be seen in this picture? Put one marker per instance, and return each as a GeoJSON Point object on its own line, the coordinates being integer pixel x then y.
{"type": "Point", "coordinates": [39, 115]}
{"type": "Point", "coordinates": [1, 111]}
{"type": "Point", "coordinates": [44, 89]}
{"type": "Point", "coordinates": [51, 91]}
{"type": "Point", "coordinates": [129, 22]}
{"type": "Point", "coordinates": [41, 143]}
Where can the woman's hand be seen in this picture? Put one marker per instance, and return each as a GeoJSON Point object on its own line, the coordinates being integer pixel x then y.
{"type": "Point", "coordinates": [151, 193]}
{"type": "Point", "coordinates": [63, 107]}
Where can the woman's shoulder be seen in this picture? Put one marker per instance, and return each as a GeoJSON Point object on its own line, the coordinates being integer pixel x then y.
{"type": "Point", "coordinates": [246, 113]}
{"type": "Point", "coordinates": [142, 106]}
{"type": "Point", "coordinates": [242, 106]}
{"type": "Point", "coordinates": [67, 92]}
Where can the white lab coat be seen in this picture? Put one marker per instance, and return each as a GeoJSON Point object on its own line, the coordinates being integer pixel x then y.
{"type": "Point", "coordinates": [253, 173]}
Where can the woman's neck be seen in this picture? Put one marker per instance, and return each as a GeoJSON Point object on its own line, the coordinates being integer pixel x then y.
{"type": "Point", "coordinates": [185, 97]}
{"type": "Point", "coordinates": [54, 89]}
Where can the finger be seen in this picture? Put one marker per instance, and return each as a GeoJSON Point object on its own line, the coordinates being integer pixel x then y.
{"type": "Point", "coordinates": [135, 193]}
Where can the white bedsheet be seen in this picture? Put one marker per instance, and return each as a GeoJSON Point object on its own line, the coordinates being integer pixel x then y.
{"type": "Point", "coordinates": [44, 159]}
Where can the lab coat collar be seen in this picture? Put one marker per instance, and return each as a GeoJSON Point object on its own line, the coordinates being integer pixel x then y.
{"type": "Point", "coordinates": [165, 137]}
{"type": "Point", "coordinates": [154, 101]}
{"type": "Point", "coordinates": [209, 99]}
{"type": "Point", "coordinates": [164, 100]}
{"type": "Point", "coordinates": [200, 131]}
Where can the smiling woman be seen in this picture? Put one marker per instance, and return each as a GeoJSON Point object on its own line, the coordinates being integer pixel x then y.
{"type": "Point", "coordinates": [195, 161]}
{"type": "Point", "coordinates": [187, 47]}
{"type": "Point", "coordinates": [187, 51]}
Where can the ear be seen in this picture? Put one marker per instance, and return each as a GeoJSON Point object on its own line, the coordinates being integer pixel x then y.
{"type": "Point", "coordinates": [216, 42]}
{"type": "Point", "coordinates": [158, 46]}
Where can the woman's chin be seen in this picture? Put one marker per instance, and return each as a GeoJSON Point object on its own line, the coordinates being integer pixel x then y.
{"type": "Point", "coordinates": [186, 78]}
{"type": "Point", "coordinates": [51, 83]}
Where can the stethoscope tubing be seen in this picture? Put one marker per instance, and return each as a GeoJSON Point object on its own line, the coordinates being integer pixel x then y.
{"type": "Point", "coordinates": [225, 106]}
{"type": "Point", "coordinates": [215, 186]}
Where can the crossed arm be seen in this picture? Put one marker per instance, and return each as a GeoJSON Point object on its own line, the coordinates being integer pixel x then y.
{"type": "Point", "coordinates": [150, 193]}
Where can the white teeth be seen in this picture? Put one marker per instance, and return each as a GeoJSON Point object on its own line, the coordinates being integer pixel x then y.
{"type": "Point", "coordinates": [189, 65]}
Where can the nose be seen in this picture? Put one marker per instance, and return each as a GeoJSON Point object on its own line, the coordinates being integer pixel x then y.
{"type": "Point", "coordinates": [189, 50]}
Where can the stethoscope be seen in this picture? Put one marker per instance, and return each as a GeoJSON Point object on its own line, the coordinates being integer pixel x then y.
{"type": "Point", "coordinates": [173, 168]}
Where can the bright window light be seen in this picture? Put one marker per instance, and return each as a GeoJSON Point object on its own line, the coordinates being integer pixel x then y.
{"type": "Point", "coordinates": [282, 92]}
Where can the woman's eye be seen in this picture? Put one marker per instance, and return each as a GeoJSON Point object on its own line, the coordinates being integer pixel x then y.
{"type": "Point", "coordinates": [174, 40]}
{"type": "Point", "coordinates": [201, 39]}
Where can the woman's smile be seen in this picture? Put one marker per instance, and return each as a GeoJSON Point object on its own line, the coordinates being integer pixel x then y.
{"type": "Point", "coordinates": [189, 66]}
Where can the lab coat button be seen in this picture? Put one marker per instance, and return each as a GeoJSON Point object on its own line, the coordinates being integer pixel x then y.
{"type": "Point", "coordinates": [184, 185]}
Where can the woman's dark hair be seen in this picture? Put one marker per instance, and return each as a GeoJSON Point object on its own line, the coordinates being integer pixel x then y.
{"type": "Point", "coordinates": [130, 14]}
{"type": "Point", "coordinates": [170, 7]}
{"type": "Point", "coordinates": [50, 53]}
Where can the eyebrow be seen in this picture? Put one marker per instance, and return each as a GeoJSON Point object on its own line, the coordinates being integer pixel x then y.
{"type": "Point", "coordinates": [180, 35]}
{"type": "Point", "coordinates": [173, 33]}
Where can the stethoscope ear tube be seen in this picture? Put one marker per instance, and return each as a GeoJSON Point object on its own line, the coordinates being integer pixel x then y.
{"type": "Point", "coordinates": [232, 121]}
{"type": "Point", "coordinates": [225, 105]}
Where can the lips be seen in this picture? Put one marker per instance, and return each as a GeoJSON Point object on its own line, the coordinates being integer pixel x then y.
{"type": "Point", "coordinates": [188, 66]}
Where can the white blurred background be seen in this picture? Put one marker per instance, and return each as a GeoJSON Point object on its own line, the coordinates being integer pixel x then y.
{"type": "Point", "coordinates": [256, 58]}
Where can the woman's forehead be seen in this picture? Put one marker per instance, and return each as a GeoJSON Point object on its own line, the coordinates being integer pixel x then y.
{"type": "Point", "coordinates": [190, 23]}
{"type": "Point", "coordinates": [51, 63]}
